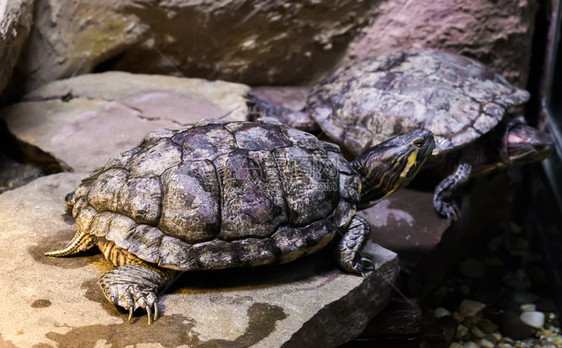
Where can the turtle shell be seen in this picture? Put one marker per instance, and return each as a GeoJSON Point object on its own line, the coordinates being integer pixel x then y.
{"type": "Point", "coordinates": [455, 97]}
{"type": "Point", "coordinates": [219, 195]}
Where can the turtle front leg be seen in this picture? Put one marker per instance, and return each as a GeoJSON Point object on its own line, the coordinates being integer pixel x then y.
{"type": "Point", "coordinates": [448, 189]}
{"type": "Point", "coordinates": [136, 285]}
{"type": "Point", "coordinates": [350, 248]}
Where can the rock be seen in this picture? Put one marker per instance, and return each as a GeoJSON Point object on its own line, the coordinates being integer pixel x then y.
{"type": "Point", "coordinates": [487, 326]}
{"type": "Point", "coordinates": [16, 17]}
{"type": "Point", "coordinates": [441, 312]}
{"type": "Point", "coordinates": [83, 121]}
{"type": "Point", "coordinates": [533, 319]}
{"type": "Point", "coordinates": [469, 308]}
{"type": "Point", "coordinates": [292, 97]}
{"type": "Point", "coordinates": [406, 223]}
{"type": "Point", "coordinates": [512, 326]}
{"type": "Point", "coordinates": [14, 173]}
{"type": "Point", "coordinates": [57, 301]}
{"type": "Point", "coordinates": [528, 307]}
{"type": "Point", "coordinates": [486, 343]}
{"type": "Point", "coordinates": [402, 317]}
{"type": "Point", "coordinates": [498, 33]}
{"type": "Point", "coordinates": [255, 42]}
{"type": "Point", "coordinates": [462, 331]}
{"type": "Point", "coordinates": [477, 332]}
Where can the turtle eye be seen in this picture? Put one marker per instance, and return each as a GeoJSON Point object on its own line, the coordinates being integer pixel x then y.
{"type": "Point", "coordinates": [419, 142]}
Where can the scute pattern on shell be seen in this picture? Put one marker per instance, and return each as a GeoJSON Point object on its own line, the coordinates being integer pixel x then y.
{"type": "Point", "coordinates": [220, 194]}
{"type": "Point", "coordinates": [455, 97]}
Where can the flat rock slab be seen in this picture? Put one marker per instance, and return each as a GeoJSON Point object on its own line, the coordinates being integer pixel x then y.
{"type": "Point", "coordinates": [51, 302]}
{"type": "Point", "coordinates": [83, 121]}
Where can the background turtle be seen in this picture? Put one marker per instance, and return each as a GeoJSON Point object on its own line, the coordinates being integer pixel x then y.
{"type": "Point", "coordinates": [460, 100]}
{"type": "Point", "coordinates": [230, 194]}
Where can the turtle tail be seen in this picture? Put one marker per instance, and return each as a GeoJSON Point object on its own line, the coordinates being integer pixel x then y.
{"type": "Point", "coordinates": [82, 241]}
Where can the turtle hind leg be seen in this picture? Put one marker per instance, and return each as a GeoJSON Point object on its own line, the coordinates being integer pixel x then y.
{"type": "Point", "coordinates": [350, 247]}
{"type": "Point", "coordinates": [299, 119]}
{"type": "Point", "coordinates": [81, 241]}
{"type": "Point", "coordinates": [447, 190]}
{"type": "Point", "coordinates": [136, 285]}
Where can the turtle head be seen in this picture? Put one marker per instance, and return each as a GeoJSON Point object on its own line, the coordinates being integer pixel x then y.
{"type": "Point", "coordinates": [525, 144]}
{"type": "Point", "coordinates": [391, 165]}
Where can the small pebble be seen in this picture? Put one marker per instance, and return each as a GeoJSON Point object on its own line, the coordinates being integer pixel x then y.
{"type": "Point", "coordinates": [455, 345]}
{"type": "Point", "coordinates": [491, 338]}
{"type": "Point", "coordinates": [441, 312]}
{"type": "Point", "coordinates": [469, 308]}
{"type": "Point", "coordinates": [461, 331]}
{"type": "Point", "coordinates": [487, 325]}
{"type": "Point", "coordinates": [470, 345]}
{"type": "Point", "coordinates": [529, 307]}
{"type": "Point", "coordinates": [533, 319]}
{"type": "Point", "coordinates": [486, 344]}
{"type": "Point", "coordinates": [477, 332]}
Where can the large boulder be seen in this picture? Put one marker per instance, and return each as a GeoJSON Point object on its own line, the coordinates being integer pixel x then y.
{"type": "Point", "coordinates": [249, 41]}
{"type": "Point", "coordinates": [80, 123]}
{"type": "Point", "coordinates": [58, 302]}
{"type": "Point", "coordinates": [15, 23]}
{"type": "Point", "coordinates": [497, 32]}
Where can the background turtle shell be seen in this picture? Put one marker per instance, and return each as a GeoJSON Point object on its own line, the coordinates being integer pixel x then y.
{"type": "Point", "coordinates": [220, 194]}
{"type": "Point", "coordinates": [455, 97]}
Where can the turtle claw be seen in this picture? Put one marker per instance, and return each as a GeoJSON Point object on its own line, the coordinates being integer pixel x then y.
{"type": "Point", "coordinates": [367, 267]}
{"type": "Point", "coordinates": [132, 287]}
{"type": "Point", "coordinates": [450, 210]}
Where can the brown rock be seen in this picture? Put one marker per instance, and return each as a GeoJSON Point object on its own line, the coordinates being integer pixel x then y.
{"type": "Point", "coordinates": [407, 223]}
{"type": "Point", "coordinates": [16, 17]}
{"type": "Point", "coordinates": [250, 41]}
{"type": "Point", "coordinates": [498, 33]}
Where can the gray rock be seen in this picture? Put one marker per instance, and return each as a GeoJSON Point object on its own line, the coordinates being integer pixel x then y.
{"type": "Point", "coordinates": [16, 17]}
{"type": "Point", "coordinates": [57, 301]}
{"type": "Point", "coordinates": [248, 41]}
{"type": "Point", "coordinates": [83, 121]}
{"type": "Point", "coordinates": [498, 33]}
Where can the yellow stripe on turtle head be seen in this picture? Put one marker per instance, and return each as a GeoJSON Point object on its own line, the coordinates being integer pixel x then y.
{"type": "Point", "coordinates": [411, 160]}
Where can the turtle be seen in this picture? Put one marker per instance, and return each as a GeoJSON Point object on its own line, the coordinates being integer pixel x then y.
{"type": "Point", "coordinates": [222, 194]}
{"type": "Point", "coordinates": [463, 102]}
